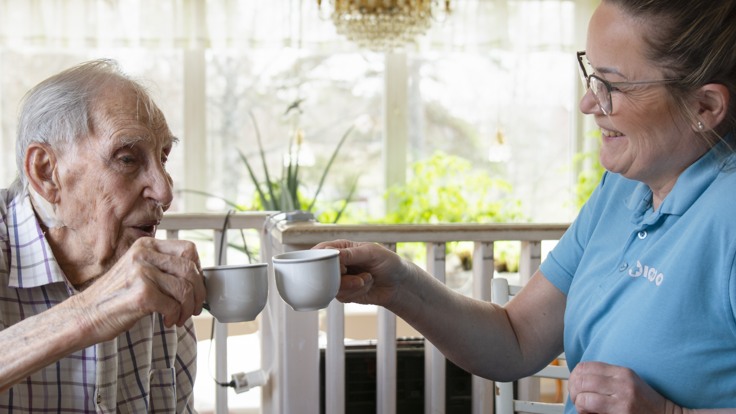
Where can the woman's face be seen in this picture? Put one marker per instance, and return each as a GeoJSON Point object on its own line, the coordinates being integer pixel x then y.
{"type": "Point", "coordinates": [643, 138]}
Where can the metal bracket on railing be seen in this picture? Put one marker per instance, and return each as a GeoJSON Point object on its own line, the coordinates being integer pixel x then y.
{"type": "Point", "coordinates": [299, 216]}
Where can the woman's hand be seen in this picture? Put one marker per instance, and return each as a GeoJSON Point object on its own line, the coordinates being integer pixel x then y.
{"type": "Point", "coordinates": [371, 274]}
{"type": "Point", "coordinates": [596, 387]}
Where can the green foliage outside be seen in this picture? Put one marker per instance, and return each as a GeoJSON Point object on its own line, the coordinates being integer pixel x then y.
{"type": "Point", "coordinates": [591, 172]}
{"type": "Point", "coordinates": [446, 189]}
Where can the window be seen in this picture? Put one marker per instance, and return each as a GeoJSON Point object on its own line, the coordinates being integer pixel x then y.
{"type": "Point", "coordinates": [494, 83]}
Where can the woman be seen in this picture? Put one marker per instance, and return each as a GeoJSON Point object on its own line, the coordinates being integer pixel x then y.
{"type": "Point", "coordinates": [641, 290]}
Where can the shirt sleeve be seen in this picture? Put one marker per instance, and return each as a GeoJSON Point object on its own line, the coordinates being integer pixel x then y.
{"type": "Point", "coordinates": [562, 262]}
{"type": "Point", "coordinates": [4, 238]}
{"type": "Point", "coordinates": [732, 294]}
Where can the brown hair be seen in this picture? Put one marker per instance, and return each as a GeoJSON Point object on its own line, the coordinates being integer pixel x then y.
{"type": "Point", "coordinates": [692, 40]}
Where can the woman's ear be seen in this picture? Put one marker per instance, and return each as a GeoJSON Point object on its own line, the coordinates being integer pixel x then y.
{"type": "Point", "coordinates": [712, 102]}
{"type": "Point", "coordinates": [40, 165]}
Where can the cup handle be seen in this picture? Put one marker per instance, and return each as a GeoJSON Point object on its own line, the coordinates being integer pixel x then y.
{"type": "Point", "coordinates": [205, 305]}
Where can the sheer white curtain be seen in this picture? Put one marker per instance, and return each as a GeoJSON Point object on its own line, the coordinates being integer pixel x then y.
{"type": "Point", "coordinates": [241, 23]}
{"type": "Point", "coordinates": [39, 37]}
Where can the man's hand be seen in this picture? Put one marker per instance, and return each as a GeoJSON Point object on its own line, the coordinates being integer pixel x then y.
{"type": "Point", "coordinates": [162, 276]}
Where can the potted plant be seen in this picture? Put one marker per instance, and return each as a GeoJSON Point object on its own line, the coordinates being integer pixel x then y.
{"type": "Point", "coordinates": [283, 193]}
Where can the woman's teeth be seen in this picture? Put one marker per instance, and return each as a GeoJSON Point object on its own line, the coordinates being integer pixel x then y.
{"type": "Point", "coordinates": [608, 133]}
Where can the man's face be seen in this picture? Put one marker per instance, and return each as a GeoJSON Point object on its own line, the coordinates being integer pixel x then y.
{"type": "Point", "coordinates": [114, 186]}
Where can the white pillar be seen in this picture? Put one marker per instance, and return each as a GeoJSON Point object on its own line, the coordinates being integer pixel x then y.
{"type": "Point", "coordinates": [195, 127]}
{"type": "Point", "coordinates": [434, 361]}
{"type": "Point", "coordinates": [396, 120]}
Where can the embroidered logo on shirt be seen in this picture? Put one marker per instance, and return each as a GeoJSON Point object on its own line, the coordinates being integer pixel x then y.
{"type": "Point", "coordinates": [648, 273]}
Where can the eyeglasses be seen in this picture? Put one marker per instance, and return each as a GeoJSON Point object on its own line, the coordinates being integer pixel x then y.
{"type": "Point", "coordinates": [602, 88]}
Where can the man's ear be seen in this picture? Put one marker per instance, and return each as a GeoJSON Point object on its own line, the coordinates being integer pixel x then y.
{"type": "Point", "coordinates": [40, 165]}
{"type": "Point", "coordinates": [712, 104]}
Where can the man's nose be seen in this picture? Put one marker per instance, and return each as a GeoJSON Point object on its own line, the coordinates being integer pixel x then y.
{"type": "Point", "coordinates": [160, 186]}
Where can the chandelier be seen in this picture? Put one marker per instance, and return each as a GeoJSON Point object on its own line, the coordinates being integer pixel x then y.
{"type": "Point", "coordinates": [383, 25]}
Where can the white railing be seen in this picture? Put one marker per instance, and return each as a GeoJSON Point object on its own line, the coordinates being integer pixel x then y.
{"type": "Point", "coordinates": [215, 227]}
{"type": "Point", "coordinates": [290, 340]}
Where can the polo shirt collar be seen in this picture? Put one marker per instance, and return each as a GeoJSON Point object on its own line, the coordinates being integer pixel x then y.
{"type": "Point", "coordinates": [32, 263]}
{"type": "Point", "coordinates": [690, 185]}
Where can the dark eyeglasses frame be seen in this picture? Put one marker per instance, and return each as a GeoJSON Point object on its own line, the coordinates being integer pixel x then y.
{"type": "Point", "coordinates": [607, 106]}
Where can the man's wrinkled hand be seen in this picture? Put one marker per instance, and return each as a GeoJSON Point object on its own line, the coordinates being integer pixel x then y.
{"type": "Point", "coordinates": [154, 276]}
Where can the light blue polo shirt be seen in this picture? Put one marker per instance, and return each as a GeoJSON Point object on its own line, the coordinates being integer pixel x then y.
{"type": "Point", "coordinates": [654, 291]}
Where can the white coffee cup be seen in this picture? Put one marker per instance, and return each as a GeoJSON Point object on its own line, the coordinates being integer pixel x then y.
{"type": "Point", "coordinates": [307, 279]}
{"type": "Point", "coordinates": [236, 293]}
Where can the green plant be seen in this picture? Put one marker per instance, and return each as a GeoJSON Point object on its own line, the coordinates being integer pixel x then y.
{"type": "Point", "coordinates": [445, 189]}
{"type": "Point", "coordinates": [283, 193]}
{"type": "Point", "coordinates": [506, 255]}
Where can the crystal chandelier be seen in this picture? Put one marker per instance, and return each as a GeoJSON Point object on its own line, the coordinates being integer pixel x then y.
{"type": "Point", "coordinates": [383, 25]}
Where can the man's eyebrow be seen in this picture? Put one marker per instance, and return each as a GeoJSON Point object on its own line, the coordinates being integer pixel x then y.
{"type": "Point", "coordinates": [132, 140]}
{"type": "Point", "coordinates": [129, 141]}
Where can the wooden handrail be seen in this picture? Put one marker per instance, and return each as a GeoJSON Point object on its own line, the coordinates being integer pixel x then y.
{"type": "Point", "coordinates": [310, 232]}
{"type": "Point", "coordinates": [299, 233]}
{"type": "Point", "coordinates": [214, 221]}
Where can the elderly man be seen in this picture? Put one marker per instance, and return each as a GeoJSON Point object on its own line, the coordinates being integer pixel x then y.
{"type": "Point", "coordinates": [94, 312]}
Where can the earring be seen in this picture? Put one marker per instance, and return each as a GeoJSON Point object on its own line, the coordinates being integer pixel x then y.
{"type": "Point", "coordinates": [700, 125]}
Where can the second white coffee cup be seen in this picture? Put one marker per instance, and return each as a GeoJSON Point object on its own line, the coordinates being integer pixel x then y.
{"type": "Point", "coordinates": [307, 280]}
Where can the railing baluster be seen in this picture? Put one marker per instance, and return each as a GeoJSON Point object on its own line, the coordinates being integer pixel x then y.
{"type": "Point", "coordinates": [220, 336]}
{"type": "Point", "coordinates": [172, 234]}
{"type": "Point", "coordinates": [335, 359]}
{"type": "Point", "coordinates": [531, 258]}
{"type": "Point", "coordinates": [434, 361]}
{"type": "Point", "coordinates": [386, 358]}
{"type": "Point", "coordinates": [386, 362]}
{"type": "Point", "coordinates": [483, 269]}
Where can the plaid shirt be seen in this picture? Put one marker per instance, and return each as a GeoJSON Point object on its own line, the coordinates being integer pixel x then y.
{"type": "Point", "coordinates": [149, 368]}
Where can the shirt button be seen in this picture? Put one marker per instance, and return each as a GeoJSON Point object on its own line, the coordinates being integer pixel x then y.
{"type": "Point", "coordinates": [623, 267]}
{"type": "Point", "coordinates": [642, 235]}
{"type": "Point", "coordinates": [99, 398]}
